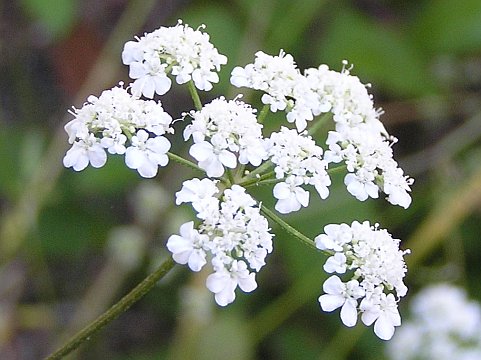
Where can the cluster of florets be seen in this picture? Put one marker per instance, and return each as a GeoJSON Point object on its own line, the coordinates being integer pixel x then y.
{"type": "Point", "coordinates": [179, 50]}
{"type": "Point", "coordinates": [117, 118]}
{"type": "Point", "coordinates": [444, 325]}
{"type": "Point", "coordinates": [360, 139]}
{"type": "Point", "coordinates": [298, 161]}
{"type": "Point", "coordinates": [225, 132]}
{"type": "Point", "coordinates": [232, 234]}
{"type": "Point", "coordinates": [375, 265]}
{"type": "Point", "coordinates": [121, 124]}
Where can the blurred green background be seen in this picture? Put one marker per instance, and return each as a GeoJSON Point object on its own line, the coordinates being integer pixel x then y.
{"type": "Point", "coordinates": [71, 244]}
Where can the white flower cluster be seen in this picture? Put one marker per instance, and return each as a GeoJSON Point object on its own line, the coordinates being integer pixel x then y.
{"type": "Point", "coordinates": [221, 130]}
{"type": "Point", "coordinates": [232, 233]}
{"type": "Point", "coordinates": [179, 50]}
{"type": "Point", "coordinates": [445, 325]}
{"type": "Point", "coordinates": [360, 138]}
{"type": "Point", "coordinates": [298, 160]}
{"type": "Point", "coordinates": [121, 124]}
{"type": "Point", "coordinates": [275, 75]}
{"type": "Point", "coordinates": [376, 265]}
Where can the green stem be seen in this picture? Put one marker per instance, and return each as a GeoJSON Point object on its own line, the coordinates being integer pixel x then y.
{"type": "Point", "coordinates": [263, 114]}
{"type": "Point", "coordinates": [195, 95]}
{"type": "Point", "coordinates": [336, 169]}
{"type": "Point", "coordinates": [263, 179]}
{"type": "Point", "coordinates": [317, 123]}
{"type": "Point", "coordinates": [111, 314]}
{"type": "Point", "coordinates": [260, 169]}
{"type": "Point", "coordinates": [183, 161]}
{"type": "Point", "coordinates": [297, 234]}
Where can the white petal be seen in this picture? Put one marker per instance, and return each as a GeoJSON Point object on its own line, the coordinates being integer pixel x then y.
{"type": "Point", "coordinates": [225, 297]}
{"type": "Point", "coordinates": [97, 156]}
{"type": "Point", "coordinates": [349, 313]}
{"type": "Point", "coordinates": [162, 84]}
{"type": "Point", "coordinates": [331, 302]}
{"type": "Point", "coordinates": [248, 284]}
{"type": "Point", "coordinates": [286, 206]}
{"type": "Point", "coordinates": [369, 316]}
{"type": "Point", "coordinates": [216, 282]}
{"type": "Point", "coordinates": [212, 166]}
{"type": "Point", "coordinates": [281, 191]}
{"type": "Point", "coordinates": [158, 144]}
{"type": "Point", "coordinates": [302, 196]}
{"type": "Point", "coordinates": [333, 285]}
{"type": "Point", "coordinates": [228, 159]}
{"type": "Point", "coordinates": [148, 169]}
{"type": "Point", "coordinates": [197, 260]}
{"type": "Point", "coordinates": [384, 328]}
{"type": "Point", "coordinates": [177, 244]}
{"type": "Point", "coordinates": [137, 70]}
{"type": "Point", "coordinates": [201, 151]}
{"type": "Point", "coordinates": [134, 158]}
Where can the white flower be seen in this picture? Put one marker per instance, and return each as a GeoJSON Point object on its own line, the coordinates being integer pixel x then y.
{"type": "Point", "coordinates": [361, 188]}
{"type": "Point", "coordinates": [84, 152]}
{"type": "Point", "coordinates": [233, 233]}
{"type": "Point", "coordinates": [276, 75]}
{"type": "Point", "coordinates": [360, 139]}
{"type": "Point", "coordinates": [336, 263]}
{"type": "Point", "coordinates": [299, 159]}
{"type": "Point", "coordinates": [290, 195]}
{"type": "Point", "coordinates": [147, 154]}
{"type": "Point", "coordinates": [196, 191]}
{"type": "Point", "coordinates": [149, 78]}
{"type": "Point", "coordinates": [335, 237]}
{"type": "Point", "coordinates": [374, 260]}
{"type": "Point", "coordinates": [187, 248]}
{"type": "Point", "coordinates": [108, 121]}
{"type": "Point", "coordinates": [224, 281]}
{"type": "Point", "coordinates": [184, 52]}
{"type": "Point", "coordinates": [341, 295]}
{"type": "Point", "coordinates": [201, 194]}
{"type": "Point", "coordinates": [224, 131]}
{"type": "Point", "coordinates": [212, 159]}
{"type": "Point", "coordinates": [384, 312]}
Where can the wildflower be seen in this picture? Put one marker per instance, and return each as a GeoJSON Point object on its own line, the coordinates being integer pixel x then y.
{"type": "Point", "coordinates": [146, 154]}
{"type": "Point", "coordinates": [85, 151]}
{"type": "Point", "coordinates": [342, 295]}
{"type": "Point", "coordinates": [298, 161]}
{"type": "Point", "coordinates": [120, 123]}
{"type": "Point", "coordinates": [187, 248]}
{"type": "Point", "coordinates": [179, 50]}
{"type": "Point", "coordinates": [376, 264]}
{"type": "Point", "coordinates": [225, 132]}
{"type": "Point", "coordinates": [232, 232]}
{"type": "Point", "coordinates": [359, 139]}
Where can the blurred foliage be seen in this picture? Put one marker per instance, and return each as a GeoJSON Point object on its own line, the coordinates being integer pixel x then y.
{"type": "Point", "coordinates": [423, 59]}
{"type": "Point", "coordinates": [56, 17]}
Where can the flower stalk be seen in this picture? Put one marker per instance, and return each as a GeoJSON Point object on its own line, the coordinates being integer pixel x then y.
{"type": "Point", "coordinates": [115, 311]}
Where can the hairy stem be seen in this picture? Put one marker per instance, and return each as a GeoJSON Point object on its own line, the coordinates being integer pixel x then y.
{"type": "Point", "coordinates": [263, 114]}
{"type": "Point", "coordinates": [319, 122]}
{"type": "Point", "coordinates": [111, 314]}
{"type": "Point", "coordinates": [195, 95]}
{"type": "Point", "coordinates": [297, 234]}
{"type": "Point", "coordinates": [183, 161]}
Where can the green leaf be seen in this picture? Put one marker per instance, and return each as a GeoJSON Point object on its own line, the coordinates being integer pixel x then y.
{"type": "Point", "coordinates": [56, 16]}
{"type": "Point", "coordinates": [381, 55]}
{"type": "Point", "coordinates": [449, 26]}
